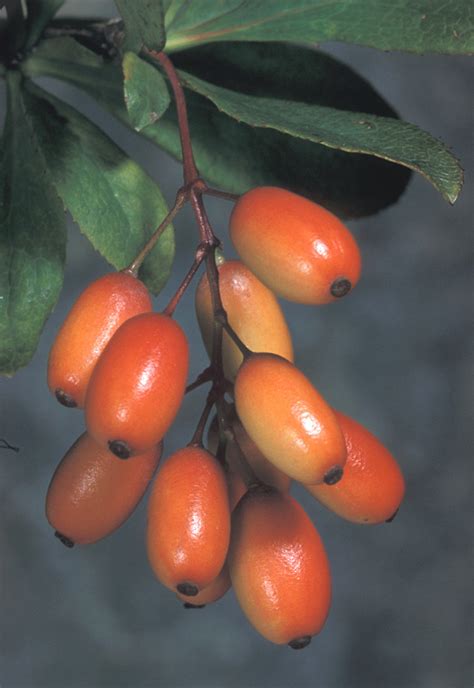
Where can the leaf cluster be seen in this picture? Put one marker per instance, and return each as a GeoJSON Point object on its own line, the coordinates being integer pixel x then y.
{"type": "Point", "coordinates": [265, 105]}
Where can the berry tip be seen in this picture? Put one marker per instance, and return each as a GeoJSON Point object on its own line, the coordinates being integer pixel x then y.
{"type": "Point", "coordinates": [340, 287]}
{"type": "Point", "coordinates": [333, 475]}
{"type": "Point", "coordinates": [65, 399]}
{"type": "Point", "coordinates": [188, 605]}
{"type": "Point", "coordinates": [62, 538]}
{"type": "Point", "coordinates": [120, 449]}
{"type": "Point", "coordinates": [187, 589]}
{"type": "Point", "coordinates": [389, 520]}
{"type": "Point", "coordinates": [300, 643]}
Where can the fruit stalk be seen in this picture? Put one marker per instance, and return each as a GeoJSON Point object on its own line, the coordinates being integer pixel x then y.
{"type": "Point", "coordinates": [189, 166]}
{"type": "Point", "coordinates": [200, 255]}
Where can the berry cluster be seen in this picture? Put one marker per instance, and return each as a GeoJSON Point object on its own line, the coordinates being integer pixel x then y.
{"type": "Point", "coordinates": [221, 515]}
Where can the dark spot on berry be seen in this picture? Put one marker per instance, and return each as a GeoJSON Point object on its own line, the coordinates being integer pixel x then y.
{"type": "Point", "coordinates": [188, 605]}
{"type": "Point", "coordinates": [340, 287]}
{"type": "Point", "coordinates": [187, 589]}
{"type": "Point", "coordinates": [300, 643]}
{"type": "Point", "coordinates": [120, 449]}
{"type": "Point", "coordinates": [65, 540]}
{"type": "Point", "coordinates": [333, 475]}
{"type": "Point", "coordinates": [389, 520]}
{"type": "Point", "coordinates": [65, 399]}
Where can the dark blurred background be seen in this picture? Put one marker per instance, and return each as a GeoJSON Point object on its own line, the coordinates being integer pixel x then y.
{"type": "Point", "coordinates": [394, 355]}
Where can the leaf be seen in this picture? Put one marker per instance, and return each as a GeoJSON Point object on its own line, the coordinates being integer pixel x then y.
{"type": "Point", "coordinates": [40, 12]}
{"type": "Point", "coordinates": [287, 72]}
{"type": "Point", "coordinates": [171, 8]}
{"type": "Point", "coordinates": [64, 58]}
{"type": "Point", "coordinates": [115, 203]}
{"type": "Point", "coordinates": [235, 156]}
{"type": "Point", "coordinates": [144, 24]}
{"type": "Point", "coordinates": [282, 150]}
{"type": "Point", "coordinates": [438, 26]}
{"type": "Point", "coordinates": [191, 15]}
{"type": "Point", "coordinates": [32, 237]}
{"type": "Point", "coordinates": [354, 132]}
{"type": "Point", "coordinates": [145, 90]}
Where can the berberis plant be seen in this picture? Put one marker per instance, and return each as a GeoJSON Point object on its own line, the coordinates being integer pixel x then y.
{"type": "Point", "coordinates": [237, 90]}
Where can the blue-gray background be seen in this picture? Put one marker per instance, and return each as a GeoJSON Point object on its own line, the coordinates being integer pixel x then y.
{"type": "Point", "coordinates": [395, 355]}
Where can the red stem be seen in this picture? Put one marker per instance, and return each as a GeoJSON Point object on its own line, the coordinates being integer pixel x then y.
{"type": "Point", "coordinates": [196, 440]}
{"type": "Point", "coordinates": [193, 190]}
{"type": "Point", "coordinates": [202, 378]}
{"type": "Point", "coordinates": [133, 268]}
{"type": "Point", "coordinates": [199, 257]}
{"type": "Point", "coordinates": [189, 166]}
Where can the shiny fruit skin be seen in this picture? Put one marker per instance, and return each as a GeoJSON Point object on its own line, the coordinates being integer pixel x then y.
{"type": "Point", "coordinates": [188, 521]}
{"type": "Point", "coordinates": [265, 471]}
{"type": "Point", "coordinates": [278, 566]}
{"type": "Point", "coordinates": [372, 487]}
{"type": "Point", "coordinates": [236, 489]}
{"type": "Point", "coordinates": [98, 312]}
{"type": "Point", "coordinates": [253, 312]}
{"type": "Point", "coordinates": [92, 492]}
{"type": "Point", "coordinates": [138, 383]}
{"type": "Point", "coordinates": [287, 418]}
{"type": "Point", "coordinates": [211, 593]}
{"type": "Point", "coordinates": [297, 248]}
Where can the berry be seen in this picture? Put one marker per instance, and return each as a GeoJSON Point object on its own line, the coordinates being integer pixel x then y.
{"type": "Point", "coordinates": [236, 489]}
{"type": "Point", "coordinates": [263, 468]}
{"type": "Point", "coordinates": [138, 384]}
{"type": "Point", "coordinates": [288, 420]}
{"type": "Point", "coordinates": [98, 312]}
{"type": "Point", "coordinates": [278, 567]}
{"type": "Point", "coordinates": [297, 248]}
{"type": "Point", "coordinates": [188, 521]}
{"type": "Point", "coordinates": [372, 486]}
{"type": "Point", "coordinates": [211, 593]}
{"type": "Point", "coordinates": [92, 493]}
{"type": "Point", "coordinates": [252, 311]}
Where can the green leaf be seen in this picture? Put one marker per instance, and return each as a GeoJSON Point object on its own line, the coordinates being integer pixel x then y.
{"type": "Point", "coordinates": [171, 9]}
{"type": "Point", "coordinates": [40, 12]}
{"type": "Point", "coordinates": [283, 150]}
{"type": "Point", "coordinates": [144, 24]}
{"type": "Point", "coordinates": [64, 58]}
{"type": "Point", "coordinates": [115, 203]}
{"type": "Point", "coordinates": [438, 26]}
{"type": "Point", "coordinates": [354, 132]}
{"type": "Point", "coordinates": [235, 156]}
{"type": "Point", "coordinates": [145, 90]}
{"type": "Point", "coordinates": [32, 237]}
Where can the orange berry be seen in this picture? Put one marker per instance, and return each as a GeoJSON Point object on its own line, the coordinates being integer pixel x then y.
{"type": "Point", "coordinates": [92, 492]}
{"type": "Point", "coordinates": [138, 384]}
{"type": "Point", "coordinates": [98, 312]}
{"type": "Point", "coordinates": [252, 311]}
{"type": "Point", "coordinates": [279, 567]}
{"type": "Point", "coordinates": [296, 247]}
{"type": "Point", "coordinates": [236, 489]}
{"type": "Point", "coordinates": [372, 487]}
{"type": "Point", "coordinates": [188, 521]}
{"type": "Point", "coordinates": [289, 420]}
{"type": "Point", "coordinates": [213, 592]}
{"type": "Point", "coordinates": [262, 467]}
